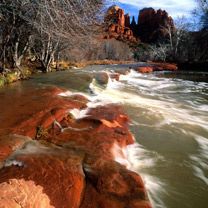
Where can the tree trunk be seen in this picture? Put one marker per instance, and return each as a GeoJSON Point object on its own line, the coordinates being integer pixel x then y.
{"type": "Point", "coordinates": [48, 55]}
{"type": "Point", "coordinates": [19, 54]}
{"type": "Point", "coordinates": [57, 61]}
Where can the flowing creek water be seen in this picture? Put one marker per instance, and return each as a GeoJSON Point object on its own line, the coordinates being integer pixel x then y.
{"type": "Point", "coordinates": [169, 119]}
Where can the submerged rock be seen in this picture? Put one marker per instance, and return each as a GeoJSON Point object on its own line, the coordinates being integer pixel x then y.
{"type": "Point", "coordinates": [123, 71]}
{"type": "Point", "coordinates": [101, 78]}
{"type": "Point", "coordinates": [115, 76]}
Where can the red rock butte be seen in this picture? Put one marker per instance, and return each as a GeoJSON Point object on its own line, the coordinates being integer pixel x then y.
{"type": "Point", "coordinates": [117, 25]}
{"type": "Point", "coordinates": [152, 25]}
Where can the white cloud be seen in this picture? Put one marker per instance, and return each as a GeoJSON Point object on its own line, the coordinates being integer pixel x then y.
{"type": "Point", "coordinates": [173, 7]}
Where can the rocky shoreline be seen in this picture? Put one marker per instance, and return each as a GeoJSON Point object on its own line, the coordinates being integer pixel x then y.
{"type": "Point", "coordinates": [69, 156]}
{"type": "Point", "coordinates": [16, 75]}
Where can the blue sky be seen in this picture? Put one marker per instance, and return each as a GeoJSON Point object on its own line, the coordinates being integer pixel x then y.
{"type": "Point", "coordinates": [175, 8]}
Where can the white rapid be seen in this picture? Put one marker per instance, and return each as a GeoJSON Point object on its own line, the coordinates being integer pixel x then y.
{"type": "Point", "coordinates": [170, 123]}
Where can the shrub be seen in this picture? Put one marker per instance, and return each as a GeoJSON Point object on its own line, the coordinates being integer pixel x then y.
{"type": "Point", "coordinates": [2, 80]}
{"type": "Point", "coordinates": [12, 77]}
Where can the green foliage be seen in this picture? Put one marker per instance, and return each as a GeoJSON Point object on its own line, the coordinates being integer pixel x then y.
{"type": "Point", "coordinates": [12, 77]}
{"type": "Point", "coordinates": [26, 72]}
{"type": "Point", "coordinates": [2, 80]}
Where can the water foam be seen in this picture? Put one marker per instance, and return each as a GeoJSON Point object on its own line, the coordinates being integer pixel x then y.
{"type": "Point", "coordinates": [155, 189]}
{"type": "Point", "coordinates": [79, 114]}
{"type": "Point", "coordinates": [200, 164]}
{"type": "Point", "coordinates": [120, 155]}
{"type": "Point", "coordinates": [142, 160]}
{"type": "Point", "coordinates": [170, 110]}
{"type": "Point", "coordinates": [9, 163]}
{"type": "Point", "coordinates": [161, 97]}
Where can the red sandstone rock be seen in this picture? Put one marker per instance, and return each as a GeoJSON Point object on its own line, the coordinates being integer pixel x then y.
{"type": "Point", "coordinates": [81, 171]}
{"type": "Point", "coordinates": [145, 69]}
{"type": "Point", "coordinates": [9, 144]}
{"type": "Point", "coordinates": [113, 112]}
{"type": "Point", "coordinates": [127, 20]}
{"type": "Point", "coordinates": [164, 66]}
{"type": "Point", "coordinates": [152, 25]}
{"type": "Point", "coordinates": [121, 18]}
{"type": "Point", "coordinates": [48, 177]}
{"type": "Point", "coordinates": [16, 193]}
{"type": "Point", "coordinates": [45, 111]}
{"type": "Point", "coordinates": [118, 25]}
{"type": "Point", "coordinates": [157, 67]}
{"type": "Point", "coordinates": [112, 179]}
{"type": "Point", "coordinates": [112, 28]}
{"type": "Point", "coordinates": [79, 98]}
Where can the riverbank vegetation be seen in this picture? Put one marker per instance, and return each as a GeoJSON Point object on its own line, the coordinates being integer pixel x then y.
{"type": "Point", "coordinates": [40, 30]}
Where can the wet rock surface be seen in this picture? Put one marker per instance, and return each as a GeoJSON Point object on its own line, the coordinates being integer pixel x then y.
{"type": "Point", "coordinates": [68, 160]}
{"type": "Point", "coordinates": [145, 69]}
{"type": "Point", "coordinates": [156, 66]}
{"type": "Point", "coordinates": [10, 143]}
{"type": "Point", "coordinates": [102, 78]}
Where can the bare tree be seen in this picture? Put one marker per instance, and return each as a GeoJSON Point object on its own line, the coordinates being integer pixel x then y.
{"type": "Point", "coordinates": [159, 52]}
{"type": "Point", "coordinates": [202, 13]}
{"type": "Point", "coordinates": [50, 25]}
{"type": "Point", "coordinates": [64, 23]}
{"type": "Point", "coordinates": [15, 31]}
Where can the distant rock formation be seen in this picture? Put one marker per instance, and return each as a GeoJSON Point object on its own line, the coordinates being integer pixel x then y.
{"type": "Point", "coordinates": [117, 25]}
{"type": "Point", "coordinates": [127, 20]}
{"type": "Point", "coordinates": [152, 25]}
